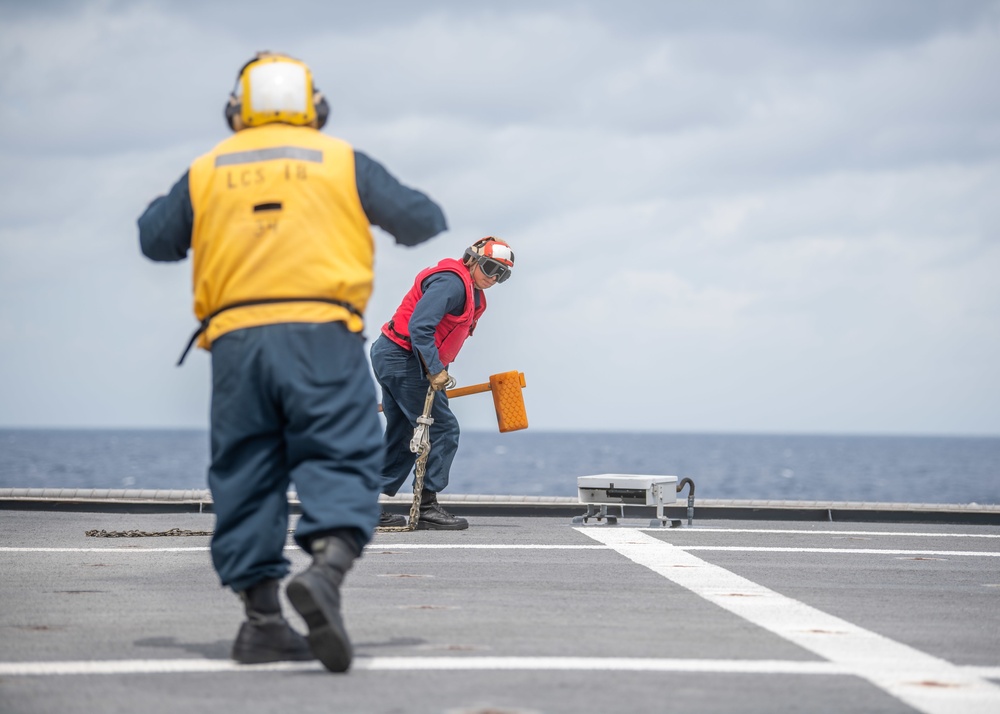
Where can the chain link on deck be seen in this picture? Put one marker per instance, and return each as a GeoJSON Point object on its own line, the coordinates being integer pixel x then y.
{"type": "Point", "coordinates": [173, 532]}
{"type": "Point", "coordinates": [420, 445]}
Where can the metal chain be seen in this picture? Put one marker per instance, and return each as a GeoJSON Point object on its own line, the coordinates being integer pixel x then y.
{"type": "Point", "coordinates": [420, 445]}
{"type": "Point", "coordinates": [144, 534]}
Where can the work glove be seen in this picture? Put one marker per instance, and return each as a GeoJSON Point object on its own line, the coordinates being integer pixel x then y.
{"type": "Point", "coordinates": [440, 380]}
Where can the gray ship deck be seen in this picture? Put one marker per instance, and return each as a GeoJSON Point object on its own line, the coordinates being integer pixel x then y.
{"type": "Point", "coordinates": [745, 611]}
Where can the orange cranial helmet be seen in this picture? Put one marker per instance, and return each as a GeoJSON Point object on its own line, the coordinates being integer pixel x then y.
{"type": "Point", "coordinates": [494, 256]}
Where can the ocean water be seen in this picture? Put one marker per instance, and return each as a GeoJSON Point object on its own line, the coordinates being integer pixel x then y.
{"type": "Point", "coordinates": [891, 469]}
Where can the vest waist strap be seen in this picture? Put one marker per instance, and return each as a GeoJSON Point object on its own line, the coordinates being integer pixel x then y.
{"type": "Point", "coordinates": [262, 301]}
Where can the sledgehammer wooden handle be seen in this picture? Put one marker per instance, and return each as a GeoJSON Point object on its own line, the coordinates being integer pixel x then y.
{"type": "Point", "coordinates": [477, 388]}
{"type": "Point", "coordinates": [471, 389]}
{"type": "Point", "coordinates": [462, 391]}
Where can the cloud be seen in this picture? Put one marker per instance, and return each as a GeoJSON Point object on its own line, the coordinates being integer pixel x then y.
{"type": "Point", "coordinates": [729, 216]}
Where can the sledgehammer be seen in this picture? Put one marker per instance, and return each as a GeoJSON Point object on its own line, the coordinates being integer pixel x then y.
{"type": "Point", "coordinates": [507, 398]}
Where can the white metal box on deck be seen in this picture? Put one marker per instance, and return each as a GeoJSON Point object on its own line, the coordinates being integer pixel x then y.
{"type": "Point", "coordinates": [628, 489]}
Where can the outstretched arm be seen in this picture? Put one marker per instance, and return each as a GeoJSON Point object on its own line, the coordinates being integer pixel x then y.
{"type": "Point", "coordinates": [166, 224]}
{"type": "Point", "coordinates": [406, 214]}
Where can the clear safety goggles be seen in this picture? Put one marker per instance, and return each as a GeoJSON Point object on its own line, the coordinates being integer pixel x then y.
{"type": "Point", "coordinates": [493, 268]}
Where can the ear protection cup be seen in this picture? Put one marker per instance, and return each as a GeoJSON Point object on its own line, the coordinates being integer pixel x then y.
{"type": "Point", "coordinates": [322, 109]}
{"type": "Point", "coordinates": [233, 105]}
{"type": "Point", "coordinates": [232, 112]}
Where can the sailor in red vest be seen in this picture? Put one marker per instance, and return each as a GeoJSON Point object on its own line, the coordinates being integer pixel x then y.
{"type": "Point", "coordinates": [415, 348]}
{"type": "Point", "coordinates": [277, 219]}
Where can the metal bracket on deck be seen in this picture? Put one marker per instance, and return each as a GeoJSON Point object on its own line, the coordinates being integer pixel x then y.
{"type": "Point", "coordinates": [599, 513]}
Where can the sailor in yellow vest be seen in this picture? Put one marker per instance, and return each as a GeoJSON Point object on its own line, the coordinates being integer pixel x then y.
{"type": "Point", "coordinates": [277, 217]}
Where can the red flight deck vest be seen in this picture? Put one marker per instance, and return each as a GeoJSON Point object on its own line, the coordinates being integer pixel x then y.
{"type": "Point", "coordinates": [453, 330]}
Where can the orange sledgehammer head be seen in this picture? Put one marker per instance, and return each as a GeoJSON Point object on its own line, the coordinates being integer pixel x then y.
{"type": "Point", "coordinates": [507, 398]}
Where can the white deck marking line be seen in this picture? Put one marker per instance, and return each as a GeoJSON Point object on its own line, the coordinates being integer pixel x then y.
{"type": "Point", "coordinates": [458, 663]}
{"type": "Point", "coordinates": [865, 551]}
{"type": "Point", "coordinates": [926, 683]}
{"type": "Point", "coordinates": [374, 548]}
{"type": "Point", "coordinates": [621, 664]}
{"type": "Point", "coordinates": [634, 664]}
{"type": "Point", "coordinates": [108, 550]}
{"type": "Point", "coordinates": [700, 529]}
{"type": "Point", "coordinates": [481, 546]}
{"type": "Point", "coordinates": [984, 672]}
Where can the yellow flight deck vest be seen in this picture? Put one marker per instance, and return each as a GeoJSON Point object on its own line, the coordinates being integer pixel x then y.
{"type": "Point", "coordinates": [277, 217]}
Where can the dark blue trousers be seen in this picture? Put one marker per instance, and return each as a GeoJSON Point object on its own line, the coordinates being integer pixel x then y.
{"type": "Point", "coordinates": [291, 404]}
{"type": "Point", "coordinates": [404, 390]}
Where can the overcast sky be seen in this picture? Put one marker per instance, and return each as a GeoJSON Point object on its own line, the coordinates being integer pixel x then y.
{"type": "Point", "coordinates": [728, 216]}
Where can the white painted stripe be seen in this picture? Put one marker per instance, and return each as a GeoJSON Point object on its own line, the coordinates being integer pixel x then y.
{"type": "Point", "coordinates": [479, 546]}
{"type": "Point", "coordinates": [458, 663]}
{"type": "Point", "coordinates": [927, 683]}
{"type": "Point", "coordinates": [445, 546]}
{"type": "Point", "coordinates": [700, 529]}
{"type": "Point", "coordinates": [865, 551]}
{"type": "Point", "coordinates": [984, 672]}
{"type": "Point", "coordinates": [371, 547]}
{"type": "Point", "coordinates": [107, 550]}
{"type": "Point", "coordinates": [619, 664]}
{"type": "Point", "coordinates": [137, 666]}
{"type": "Point", "coordinates": [454, 664]}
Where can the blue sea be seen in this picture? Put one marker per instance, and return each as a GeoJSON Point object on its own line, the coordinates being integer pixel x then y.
{"type": "Point", "coordinates": [890, 469]}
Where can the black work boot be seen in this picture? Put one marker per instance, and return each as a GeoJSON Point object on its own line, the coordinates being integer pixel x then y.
{"type": "Point", "coordinates": [435, 518]}
{"type": "Point", "coordinates": [315, 593]}
{"type": "Point", "coordinates": [266, 635]}
{"type": "Point", "coordinates": [391, 520]}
